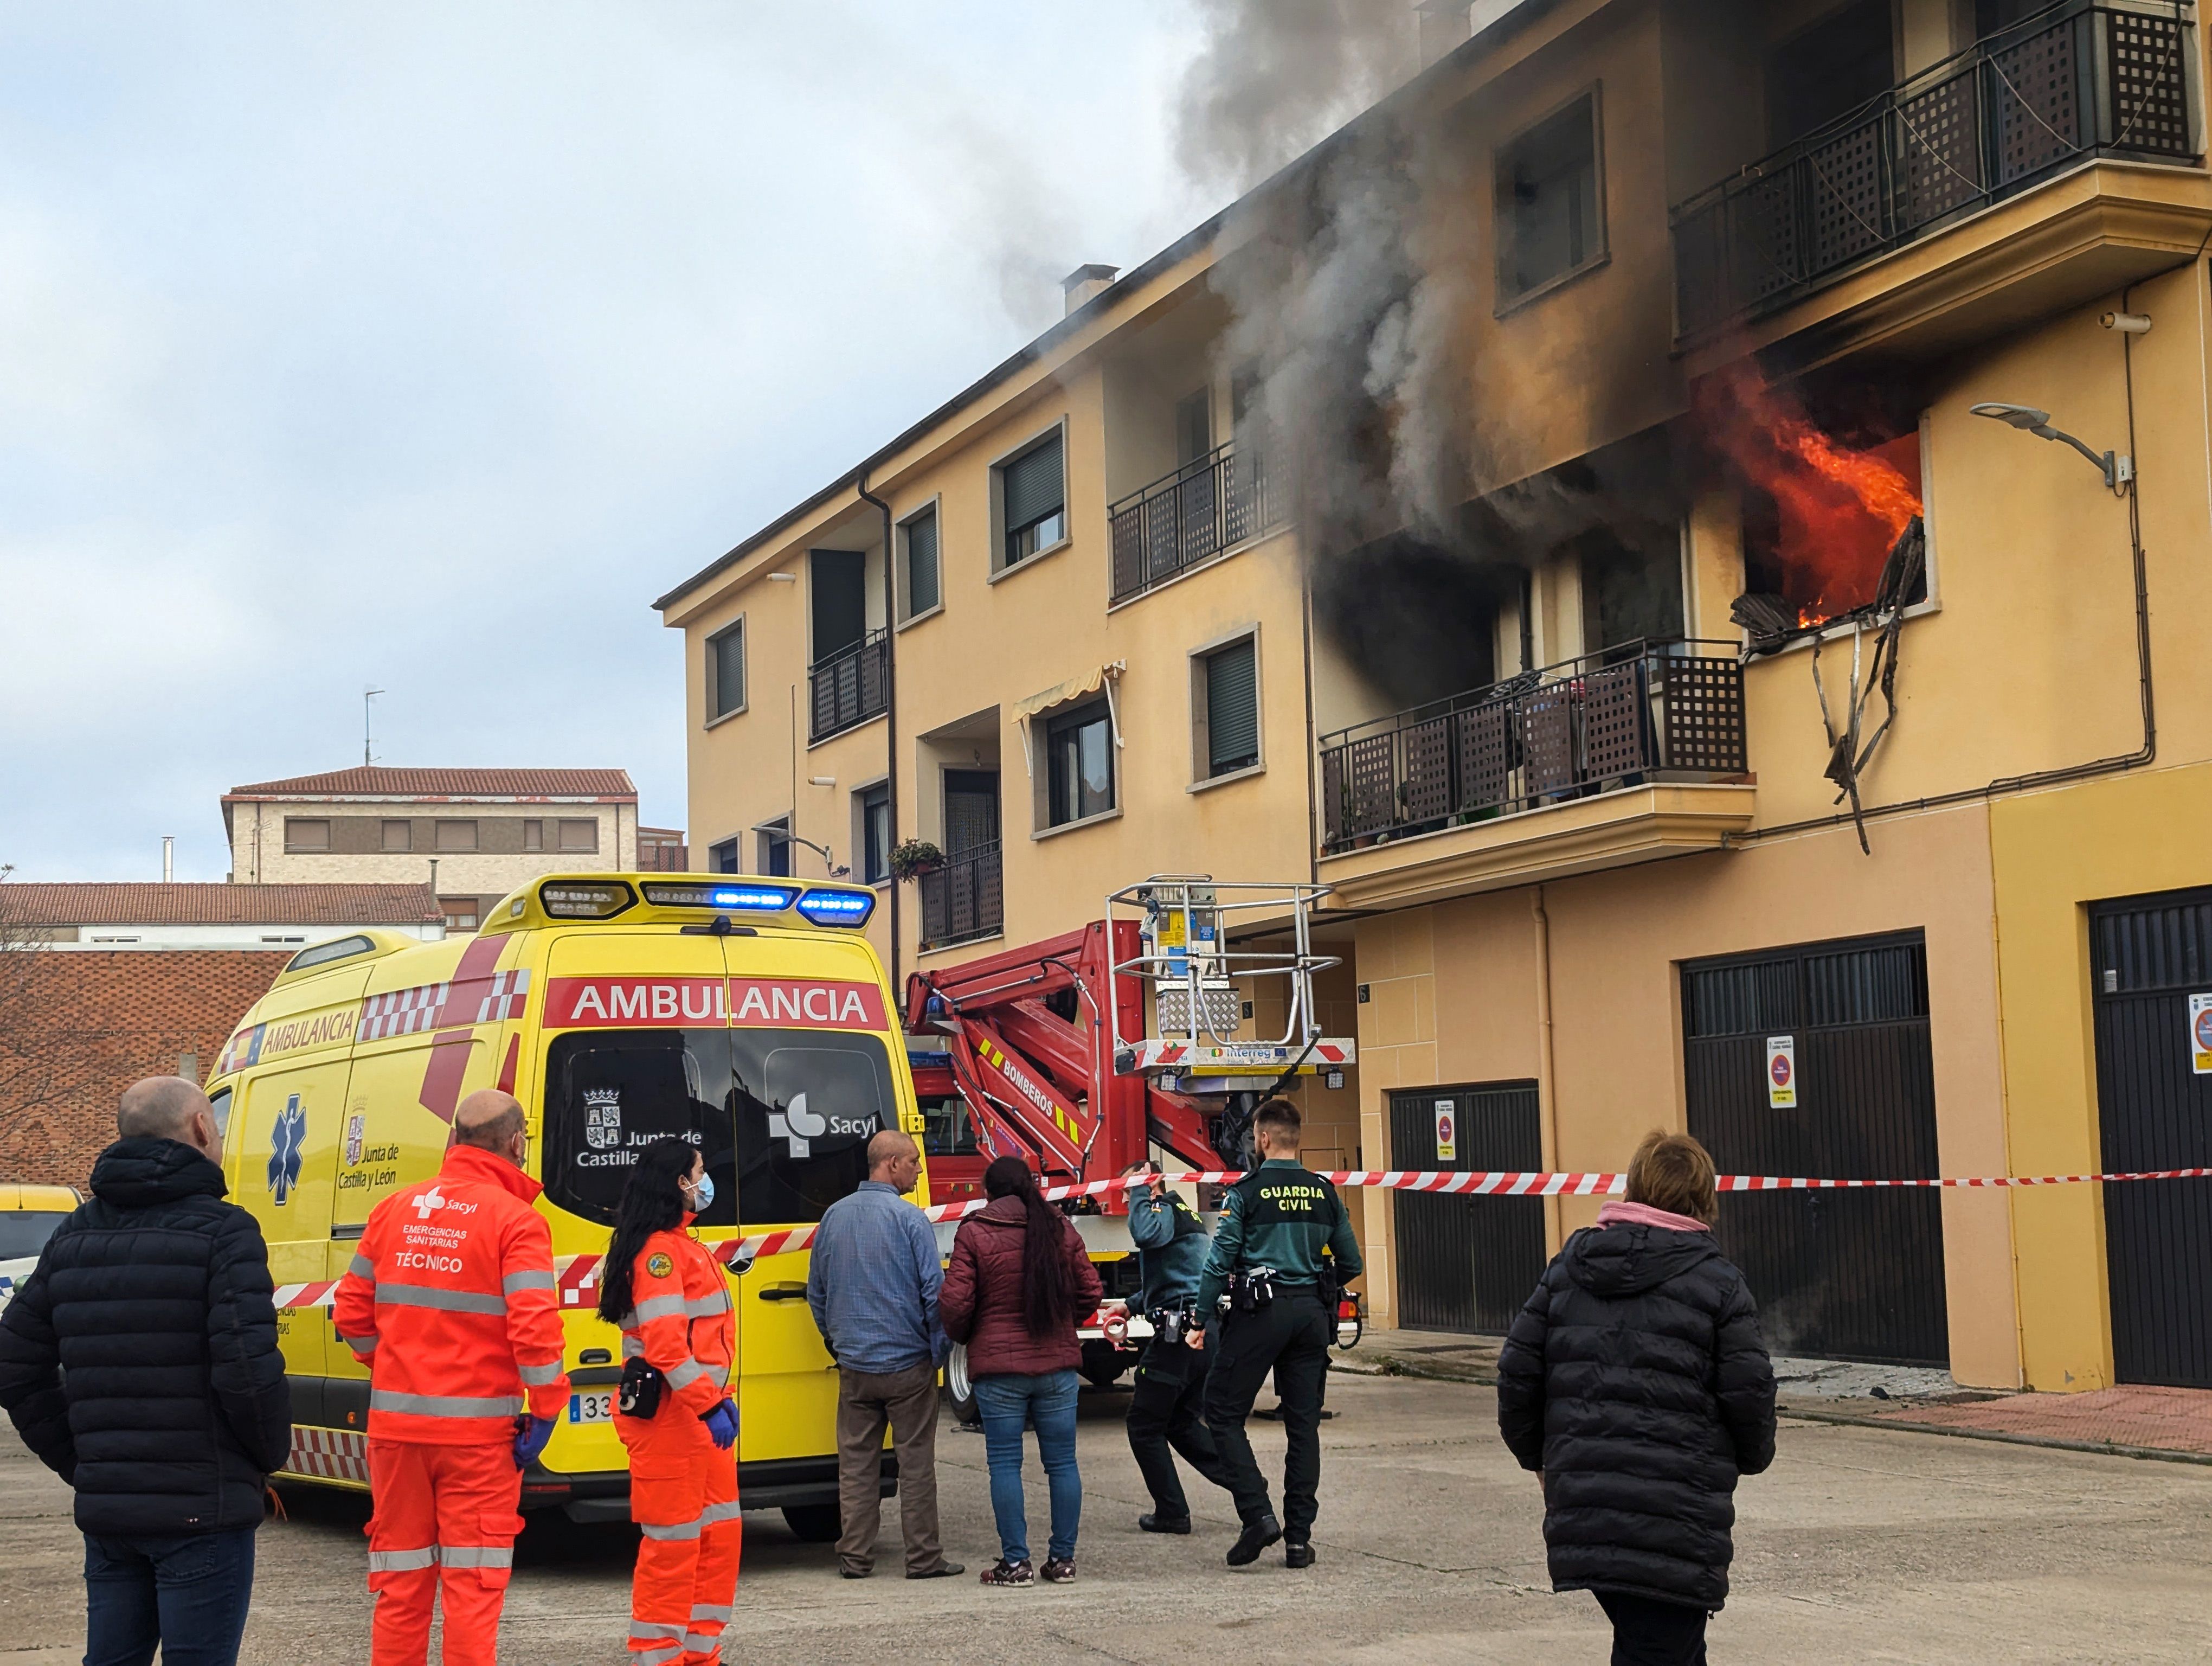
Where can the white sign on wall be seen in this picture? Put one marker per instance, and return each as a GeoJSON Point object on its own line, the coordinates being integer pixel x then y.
{"type": "Point", "coordinates": [1782, 1072]}
{"type": "Point", "coordinates": [1447, 1133]}
{"type": "Point", "coordinates": [2200, 1033]}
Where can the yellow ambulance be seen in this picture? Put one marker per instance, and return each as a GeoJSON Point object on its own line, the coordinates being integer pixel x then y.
{"type": "Point", "coordinates": [747, 1015]}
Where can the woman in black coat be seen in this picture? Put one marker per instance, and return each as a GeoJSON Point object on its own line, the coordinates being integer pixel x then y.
{"type": "Point", "coordinates": [1634, 1383]}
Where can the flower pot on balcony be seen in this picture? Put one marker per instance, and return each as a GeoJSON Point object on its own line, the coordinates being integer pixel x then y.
{"type": "Point", "coordinates": [913, 858]}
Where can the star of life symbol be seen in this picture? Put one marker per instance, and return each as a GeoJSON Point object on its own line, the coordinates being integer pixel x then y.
{"type": "Point", "coordinates": [602, 1117]}
{"type": "Point", "coordinates": [431, 1200]}
{"type": "Point", "coordinates": [798, 1125]}
{"type": "Point", "coordinates": [287, 1136]}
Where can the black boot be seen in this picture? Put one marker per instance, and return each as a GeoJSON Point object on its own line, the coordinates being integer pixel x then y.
{"type": "Point", "coordinates": [1162, 1522]}
{"type": "Point", "coordinates": [1298, 1553]}
{"type": "Point", "coordinates": [1256, 1537]}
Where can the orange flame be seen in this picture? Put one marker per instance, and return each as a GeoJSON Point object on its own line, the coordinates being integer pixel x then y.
{"type": "Point", "coordinates": [1836, 511]}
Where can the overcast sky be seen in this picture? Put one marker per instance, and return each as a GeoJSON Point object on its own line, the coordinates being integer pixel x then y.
{"type": "Point", "coordinates": [425, 346]}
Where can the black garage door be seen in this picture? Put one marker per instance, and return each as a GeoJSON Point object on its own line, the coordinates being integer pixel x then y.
{"type": "Point", "coordinates": [1838, 1274]}
{"type": "Point", "coordinates": [1468, 1264]}
{"type": "Point", "coordinates": [2148, 955]}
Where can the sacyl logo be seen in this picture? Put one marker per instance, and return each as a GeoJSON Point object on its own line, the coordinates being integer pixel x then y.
{"type": "Point", "coordinates": [798, 1125]}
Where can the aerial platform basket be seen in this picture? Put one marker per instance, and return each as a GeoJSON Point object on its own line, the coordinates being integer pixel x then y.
{"type": "Point", "coordinates": [1203, 943]}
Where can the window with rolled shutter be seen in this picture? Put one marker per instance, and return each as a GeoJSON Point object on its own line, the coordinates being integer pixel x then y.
{"type": "Point", "coordinates": [1034, 494]}
{"type": "Point", "coordinates": [922, 590]}
{"type": "Point", "coordinates": [1232, 709]}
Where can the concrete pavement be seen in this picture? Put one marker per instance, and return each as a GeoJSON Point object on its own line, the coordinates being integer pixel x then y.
{"type": "Point", "coordinates": [1862, 1545]}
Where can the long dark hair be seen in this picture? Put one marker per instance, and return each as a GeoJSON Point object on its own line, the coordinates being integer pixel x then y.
{"type": "Point", "coordinates": [1045, 1295]}
{"type": "Point", "coordinates": [652, 1201]}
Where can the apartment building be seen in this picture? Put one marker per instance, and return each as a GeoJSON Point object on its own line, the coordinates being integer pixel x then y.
{"type": "Point", "coordinates": [1717, 692]}
{"type": "Point", "coordinates": [472, 834]}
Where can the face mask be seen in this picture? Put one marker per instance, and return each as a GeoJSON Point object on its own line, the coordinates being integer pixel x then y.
{"type": "Point", "coordinates": [702, 1195]}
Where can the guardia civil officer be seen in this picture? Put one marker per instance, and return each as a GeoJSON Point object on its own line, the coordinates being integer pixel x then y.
{"type": "Point", "coordinates": [1282, 1251]}
{"type": "Point", "coordinates": [1167, 1410]}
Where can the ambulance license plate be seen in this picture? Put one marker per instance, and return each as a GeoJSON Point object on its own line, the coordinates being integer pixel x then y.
{"type": "Point", "coordinates": [597, 1407]}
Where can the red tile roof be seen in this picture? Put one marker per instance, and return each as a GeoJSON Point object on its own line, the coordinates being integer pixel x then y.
{"type": "Point", "coordinates": [25, 903]}
{"type": "Point", "coordinates": [377, 779]}
{"type": "Point", "coordinates": [94, 1022]}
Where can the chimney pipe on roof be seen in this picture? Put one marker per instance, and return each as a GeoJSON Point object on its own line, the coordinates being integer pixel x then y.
{"type": "Point", "coordinates": [169, 859]}
{"type": "Point", "coordinates": [1084, 281]}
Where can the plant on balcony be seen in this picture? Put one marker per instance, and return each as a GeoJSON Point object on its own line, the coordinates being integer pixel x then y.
{"type": "Point", "coordinates": [912, 858]}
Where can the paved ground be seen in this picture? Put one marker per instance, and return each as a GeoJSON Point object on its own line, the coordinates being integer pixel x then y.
{"type": "Point", "coordinates": [1862, 1545]}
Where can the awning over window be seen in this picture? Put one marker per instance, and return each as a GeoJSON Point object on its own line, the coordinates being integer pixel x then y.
{"type": "Point", "coordinates": [1067, 693]}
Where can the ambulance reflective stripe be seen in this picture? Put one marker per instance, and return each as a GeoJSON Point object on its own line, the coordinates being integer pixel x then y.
{"type": "Point", "coordinates": [530, 1280]}
{"type": "Point", "coordinates": [391, 1293]}
{"type": "Point", "coordinates": [445, 1405]}
{"type": "Point", "coordinates": [691, 1530]}
{"type": "Point", "coordinates": [538, 1375]}
{"type": "Point", "coordinates": [402, 1561]}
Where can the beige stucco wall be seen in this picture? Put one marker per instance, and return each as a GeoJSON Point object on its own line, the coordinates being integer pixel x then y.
{"type": "Point", "coordinates": [257, 853]}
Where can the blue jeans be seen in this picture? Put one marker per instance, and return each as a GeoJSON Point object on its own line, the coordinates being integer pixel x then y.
{"type": "Point", "coordinates": [188, 1595]}
{"type": "Point", "coordinates": [1047, 1403]}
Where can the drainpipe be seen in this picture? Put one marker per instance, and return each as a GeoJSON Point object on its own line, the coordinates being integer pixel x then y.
{"type": "Point", "coordinates": [1546, 1084]}
{"type": "Point", "coordinates": [891, 707]}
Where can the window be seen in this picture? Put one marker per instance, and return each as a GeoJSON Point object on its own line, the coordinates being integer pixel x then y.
{"type": "Point", "coordinates": [875, 837]}
{"type": "Point", "coordinates": [1629, 595]}
{"type": "Point", "coordinates": [307, 835]}
{"type": "Point", "coordinates": [580, 835]}
{"type": "Point", "coordinates": [1550, 206]}
{"type": "Point", "coordinates": [947, 1128]}
{"type": "Point", "coordinates": [24, 1232]}
{"type": "Point", "coordinates": [1033, 496]}
{"type": "Point", "coordinates": [533, 834]}
{"type": "Point", "coordinates": [723, 858]}
{"type": "Point", "coordinates": [923, 591]}
{"type": "Point", "coordinates": [1842, 61]}
{"type": "Point", "coordinates": [726, 671]}
{"type": "Point", "coordinates": [457, 835]}
{"type": "Point", "coordinates": [776, 850]}
{"type": "Point", "coordinates": [460, 913]}
{"type": "Point", "coordinates": [267, 939]}
{"type": "Point", "coordinates": [398, 836]}
{"type": "Point", "coordinates": [1225, 691]}
{"type": "Point", "coordinates": [1194, 427]}
{"type": "Point", "coordinates": [971, 810]}
{"type": "Point", "coordinates": [1079, 754]}
{"type": "Point", "coordinates": [782, 1117]}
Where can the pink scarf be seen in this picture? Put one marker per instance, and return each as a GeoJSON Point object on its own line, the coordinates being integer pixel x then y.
{"type": "Point", "coordinates": [1619, 1214]}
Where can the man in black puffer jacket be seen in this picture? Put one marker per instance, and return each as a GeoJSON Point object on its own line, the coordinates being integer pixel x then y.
{"type": "Point", "coordinates": [1635, 1383]}
{"type": "Point", "coordinates": [154, 1298]}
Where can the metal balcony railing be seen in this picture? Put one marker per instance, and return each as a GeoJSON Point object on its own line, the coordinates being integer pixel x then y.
{"type": "Point", "coordinates": [964, 899]}
{"type": "Point", "coordinates": [1211, 504]}
{"type": "Point", "coordinates": [849, 687]}
{"type": "Point", "coordinates": [2079, 81]}
{"type": "Point", "coordinates": [1626, 717]}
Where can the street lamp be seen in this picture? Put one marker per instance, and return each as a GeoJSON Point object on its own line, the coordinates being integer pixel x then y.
{"type": "Point", "coordinates": [2117, 471]}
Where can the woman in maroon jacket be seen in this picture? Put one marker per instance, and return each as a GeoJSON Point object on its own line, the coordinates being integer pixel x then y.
{"type": "Point", "coordinates": [1018, 1282]}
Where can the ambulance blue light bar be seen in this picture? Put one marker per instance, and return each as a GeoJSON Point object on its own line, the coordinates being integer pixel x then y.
{"type": "Point", "coordinates": [746, 898]}
{"type": "Point", "coordinates": [837, 907]}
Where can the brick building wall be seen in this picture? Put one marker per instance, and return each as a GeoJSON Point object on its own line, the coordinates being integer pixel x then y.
{"type": "Point", "coordinates": [97, 1021]}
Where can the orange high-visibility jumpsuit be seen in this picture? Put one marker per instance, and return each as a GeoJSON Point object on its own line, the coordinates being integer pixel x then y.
{"type": "Point", "coordinates": [450, 1302]}
{"type": "Point", "coordinates": [682, 1491]}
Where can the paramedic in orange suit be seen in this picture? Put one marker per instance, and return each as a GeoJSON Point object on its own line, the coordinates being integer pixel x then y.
{"type": "Point", "coordinates": [671, 1300]}
{"type": "Point", "coordinates": [450, 1303]}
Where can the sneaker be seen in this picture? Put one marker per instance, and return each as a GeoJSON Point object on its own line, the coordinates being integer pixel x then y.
{"type": "Point", "coordinates": [1060, 1570]}
{"type": "Point", "coordinates": [1161, 1524]}
{"type": "Point", "coordinates": [1256, 1538]}
{"type": "Point", "coordinates": [1004, 1572]}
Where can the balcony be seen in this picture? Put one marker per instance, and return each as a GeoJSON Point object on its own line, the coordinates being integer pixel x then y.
{"type": "Point", "coordinates": [1618, 757]}
{"type": "Point", "coordinates": [1209, 505]}
{"type": "Point", "coordinates": [849, 687]}
{"type": "Point", "coordinates": [964, 899]}
{"type": "Point", "coordinates": [2082, 82]}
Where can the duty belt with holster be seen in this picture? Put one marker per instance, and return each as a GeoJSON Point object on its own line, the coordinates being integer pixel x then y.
{"type": "Point", "coordinates": [1250, 1289]}
{"type": "Point", "coordinates": [640, 1394]}
{"type": "Point", "coordinates": [1172, 1324]}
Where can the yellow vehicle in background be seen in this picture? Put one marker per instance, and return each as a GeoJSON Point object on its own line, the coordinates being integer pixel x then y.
{"type": "Point", "coordinates": [748, 1016]}
{"type": "Point", "coordinates": [28, 1215]}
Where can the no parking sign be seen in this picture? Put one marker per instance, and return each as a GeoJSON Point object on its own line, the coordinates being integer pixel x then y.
{"type": "Point", "coordinates": [1782, 1072]}
{"type": "Point", "coordinates": [2200, 1033]}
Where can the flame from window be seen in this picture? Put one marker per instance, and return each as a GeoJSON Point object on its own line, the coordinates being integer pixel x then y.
{"type": "Point", "coordinates": [1836, 510]}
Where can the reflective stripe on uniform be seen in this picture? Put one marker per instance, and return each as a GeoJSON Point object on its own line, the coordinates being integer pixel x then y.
{"type": "Point", "coordinates": [683, 1376]}
{"type": "Point", "coordinates": [445, 1405]}
{"type": "Point", "coordinates": [705, 1307]}
{"type": "Point", "coordinates": [653, 1628]}
{"type": "Point", "coordinates": [658, 1307]}
{"type": "Point", "coordinates": [530, 1280]}
{"type": "Point", "coordinates": [360, 1345]}
{"type": "Point", "coordinates": [477, 1555]}
{"type": "Point", "coordinates": [362, 1268]}
{"type": "Point", "coordinates": [725, 1612]}
{"type": "Point", "coordinates": [680, 1530]}
{"type": "Point", "coordinates": [728, 1511]}
{"type": "Point", "coordinates": [699, 1642]}
{"type": "Point", "coordinates": [721, 1374]}
{"type": "Point", "coordinates": [656, 1656]}
{"type": "Point", "coordinates": [402, 1561]}
{"type": "Point", "coordinates": [632, 1348]}
{"type": "Point", "coordinates": [537, 1377]}
{"type": "Point", "coordinates": [389, 1294]}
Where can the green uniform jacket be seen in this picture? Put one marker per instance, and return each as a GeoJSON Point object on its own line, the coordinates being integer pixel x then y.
{"type": "Point", "coordinates": [1288, 1221]}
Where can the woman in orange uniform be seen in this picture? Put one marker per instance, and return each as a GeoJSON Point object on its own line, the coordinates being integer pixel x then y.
{"type": "Point", "coordinates": [675, 1416]}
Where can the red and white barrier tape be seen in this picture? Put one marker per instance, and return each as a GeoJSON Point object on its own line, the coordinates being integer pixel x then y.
{"type": "Point", "coordinates": [577, 1274]}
